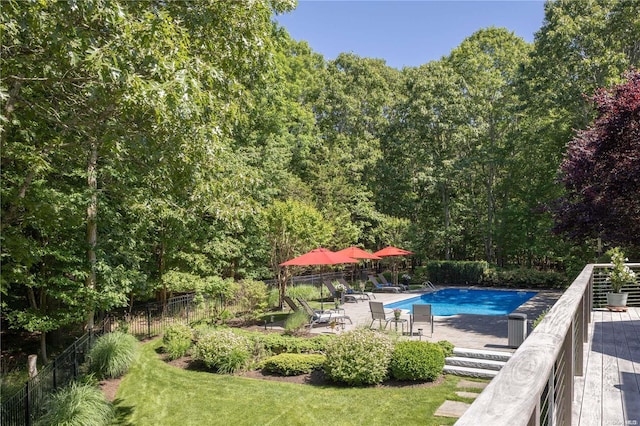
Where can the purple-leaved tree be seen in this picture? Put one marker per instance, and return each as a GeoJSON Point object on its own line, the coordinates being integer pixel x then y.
{"type": "Point", "coordinates": [601, 171]}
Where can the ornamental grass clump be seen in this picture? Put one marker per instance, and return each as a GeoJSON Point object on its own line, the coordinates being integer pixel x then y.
{"type": "Point", "coordinates": [359, 357]}
{"type": "Point", "coordinates": [78, 404]}
{"type": "Point", "coordinates": [177, 340]}
{"type": "Point", "coordinates": [112, 355]}
{"type": "Point", "coordinates": [416, 360]}
{"type": "Point", "coordinates": [224, 351]}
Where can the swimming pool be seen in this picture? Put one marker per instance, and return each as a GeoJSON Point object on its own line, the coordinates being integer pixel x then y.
{"type": "Point", "coordinates": [453, 301]}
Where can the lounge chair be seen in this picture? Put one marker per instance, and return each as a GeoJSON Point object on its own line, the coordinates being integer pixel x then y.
{"type": "Point", "coordinates": [421, 314]}
{"type": "Point", "coordinates": [383, 281]}
{"type": "Point", "coordinates": [383, 288]}
{"type": "Point", "coordinates": [368, 294]}
{"type": "Point", "coordinates": [378, 313]}
{"type": "Point", "coordinates": [321, 317]}
{"type": "Point", "coordinates": [289, 301]}
{"type": "Point", "coordinates": [345, 296]}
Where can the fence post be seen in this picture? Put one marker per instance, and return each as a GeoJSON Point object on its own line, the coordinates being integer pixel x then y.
{"type": "Point", "coordinates": [148, 322]}
{"type": "Point", "coordinates": [55, 376]}
{"type": "Point", "coordinates": [27, 405]}
{"type": "Point", "coordinates": [188, 312]}
{"type": "Point", "coordinates": [75, 359]}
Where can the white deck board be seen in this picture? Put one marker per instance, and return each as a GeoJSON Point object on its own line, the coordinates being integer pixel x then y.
{"type": "Point", "coordinates": [609, 392]}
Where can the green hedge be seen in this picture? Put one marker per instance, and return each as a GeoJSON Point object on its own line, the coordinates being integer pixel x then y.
{"type": "Point", "coordinates": [455, 272]}
{"type": "Point", "coordinates": [416, 360]}
{"type": "Point", "coordinates": [293, 364]}
{"type": "Point", "coordinates": [527, 278]}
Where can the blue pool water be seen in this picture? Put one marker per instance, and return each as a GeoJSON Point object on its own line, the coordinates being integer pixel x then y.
{"type": "Point", "coordinates": [453, 301]}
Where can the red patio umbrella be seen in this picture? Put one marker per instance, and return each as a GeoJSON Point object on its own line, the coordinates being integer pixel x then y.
{"type": "Point", "coordinates": [319, 256]}
{"type": "Point", "coordinates": [393, 251]}
{"type": "Point", "coordinates": [357, 253]}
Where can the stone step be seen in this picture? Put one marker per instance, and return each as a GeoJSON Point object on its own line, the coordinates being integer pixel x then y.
{"type": "Point", "coordinates": [482, 354]}
{"type": "Point", "coordinates": [487, 364]}
{"type": "Point", "coordinates": [469, 372]}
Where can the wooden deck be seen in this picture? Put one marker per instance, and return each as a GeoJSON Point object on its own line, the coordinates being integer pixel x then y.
{"type": "Point", "coordinates": [609, 391]}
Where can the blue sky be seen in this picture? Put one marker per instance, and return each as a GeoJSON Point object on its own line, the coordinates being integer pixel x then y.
{"type": "Point", "coordinates": [405, 33]}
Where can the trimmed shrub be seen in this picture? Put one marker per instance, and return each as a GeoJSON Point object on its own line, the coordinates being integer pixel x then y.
{"type": "Point", "coordinates": [293, 364]}
{"type": "Point", "coordinates": [296, 321]}
{"type": "Point", "coordinates": [456, 272]}
{"type": "Point", "coordinates": [112, 354]}
{"type": "Point", "coordinates": [359, 357]}
{"type": "Point", "coordinates": [416, 360]}
{"type": "Point", "coordinates": [527, 278]}
{"type": "Point", "coordinates": [177, 340]}
{"type": "Point", "coordinates": [446, 346]}
{"type": "Point", "coordinates": [78, 404]}
{"type": "Point", "coordinates": [223, 351]}
{"type": "Point", "coordinates": [275, 343]}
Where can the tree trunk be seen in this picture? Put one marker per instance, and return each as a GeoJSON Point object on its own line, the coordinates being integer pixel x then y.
{"type": "Point", "coordinates": [92, 225]}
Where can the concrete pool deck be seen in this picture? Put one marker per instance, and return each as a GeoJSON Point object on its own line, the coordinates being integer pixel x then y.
{"type": "Point", "coordinates": [466, 331]}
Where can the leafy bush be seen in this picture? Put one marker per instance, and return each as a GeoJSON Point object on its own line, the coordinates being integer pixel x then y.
{"type": "Point", "coordinates": [293, 364]}
{"type": "Point", "coordinates": [78, 404]}
{"type": "Point", "coordinates": [296, 321]}
{"type": "Point", "coordinates": [177, 340]}
{"type": "Point", "coordinates": [275, 343]}
{"type": "Point", "coordinates": [416, 360]}
{"type": "Point", "coordinates": [540, 317]}
{"type": "Point", "coordinates": [456, 272]}
{"type": "Point", "coordinates": [304, 291]}
{"type": "Point", "coordinates": [446, 346]}
{"type": "Point", "coordinates": [112, 354]}
{"type": "Point", "coordinates": [527, 278]}
{"type": "Point", "coordinates": [359, 357]}
{"type": "Point", "coordinates": [223, 350]}
{"type": "Point", "coordinates": [251, 297]}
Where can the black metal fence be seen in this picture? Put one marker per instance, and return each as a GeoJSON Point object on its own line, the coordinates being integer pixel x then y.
{"type": "Point", "coordinates": [186, 309]}
{"type": "Point", "coordinates": [25, 406]}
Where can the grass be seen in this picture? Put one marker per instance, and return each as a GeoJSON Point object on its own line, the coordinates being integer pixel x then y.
{"type": "Point", "coordinates": [156, 393]}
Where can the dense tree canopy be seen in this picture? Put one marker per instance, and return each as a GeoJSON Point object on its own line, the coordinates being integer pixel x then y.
{"type": "Point", "coordinates": [601, 173]}
{"type": "Point", "coordinates": [143, 141]}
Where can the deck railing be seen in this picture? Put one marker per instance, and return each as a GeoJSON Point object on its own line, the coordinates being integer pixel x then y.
{"type": "Point", "coordinates": [536, 386]}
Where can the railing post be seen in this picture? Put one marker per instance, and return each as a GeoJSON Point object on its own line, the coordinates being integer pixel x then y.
{"type": "Point", "coordinates": [567, 392]}
{"type": "Point", "coordinates": [579, 343]}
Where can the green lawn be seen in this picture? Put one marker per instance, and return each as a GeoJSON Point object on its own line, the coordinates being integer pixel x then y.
{"type": "Point", "coordinates": [154, 393]}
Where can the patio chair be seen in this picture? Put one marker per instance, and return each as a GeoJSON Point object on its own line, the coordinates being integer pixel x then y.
{"type": "Point", "coordinates": [289, 301]}
{"type": "Point", "coordinates": [382, 288]}
{"type": "Point", "coordinates": [378, 313]}
{"type": "Point", "coordinates": [321, 317]}
{"type": "Point", "coordinates": [383, 281]}
{"type": "Point", "coordinates": [368, 294]}
{"type": "Point", "coordinates": [421, 314]}
{"type": "Point", "coordinates": [345, 296]}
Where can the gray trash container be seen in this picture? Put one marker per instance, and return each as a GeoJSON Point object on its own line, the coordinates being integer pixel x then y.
{"type": "Point", "coordinates": [517, 329]}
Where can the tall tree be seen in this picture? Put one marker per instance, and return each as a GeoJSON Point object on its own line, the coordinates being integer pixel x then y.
{"type": "Point", "coordinates": [601, 172]}
{"type": "Point", "coordinates": [488, 61]}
